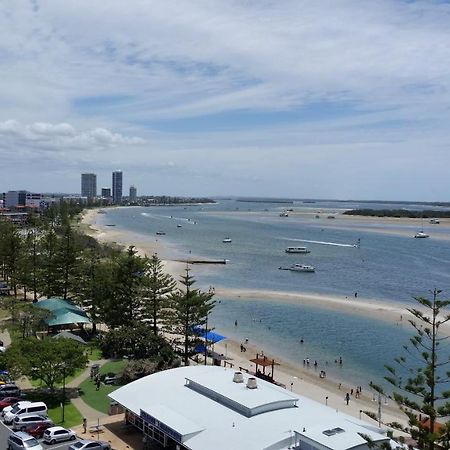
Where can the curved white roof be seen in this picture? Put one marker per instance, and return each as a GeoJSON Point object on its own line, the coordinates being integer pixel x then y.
{"type": "Point", "coordinates": [214, 414]}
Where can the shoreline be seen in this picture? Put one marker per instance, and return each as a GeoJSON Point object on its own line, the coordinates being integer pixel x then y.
{"type": "Point", "coordinates": [304, 381]}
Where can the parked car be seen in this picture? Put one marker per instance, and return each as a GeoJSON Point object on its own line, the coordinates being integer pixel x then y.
{"type": "Point", "coordinates": [28, 408]}
{"type": "Point", "coordinates": [21, 441]}
{"type": "Point", "coordinates": [9, 390]}
{"type": "Point", "coordinates": [37, 431]}
{"type": "Point", "coordinates": [15, 406]}
{"type": "Point", "coordinates": [22, 421]}
{"type": "Point", "coordinates": [53, 435]}
{"type": "Point", "coordinates": [8, 401]}
{"type": "Point", "coordinates": [86, 444]}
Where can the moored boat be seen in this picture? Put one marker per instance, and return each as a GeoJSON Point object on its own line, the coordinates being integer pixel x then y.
{"type": "Point", "coordinates": [297, 250]}
{"type": "Point", "coordinates": [227, 240]}
{"type": "Point", "coordinates": [421, 235]}
{"type": "Point", "coordinates": [299, 268]}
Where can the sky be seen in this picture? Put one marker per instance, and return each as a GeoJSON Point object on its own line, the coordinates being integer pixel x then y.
{"type": "Point", "coordinates": [285, 98]}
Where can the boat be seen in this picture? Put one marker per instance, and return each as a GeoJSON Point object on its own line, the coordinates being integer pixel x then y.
{"type": "Point", "coordinates": [331, 217]}
{"type": "Point", "coordinates": [110, 225]}
{"type": "Point", "coordinates": [300, 268]}
{"type": "Point", "coordinates": [227, 240]}
{"type": "Point", "coordinates": [435, 221]}
{"type": "Point", "coordinates": [160, 233]}
{"type": "Point", "coordinates": [317, 216]}
{"type": "Point", "coordinates": [284, 214]}
{"type": "Point", "coordinates": [297, 250]}
{"type": "Point", "coordinates": [179, 226]}
{"type": "Point", "coordinates": [421, 235]}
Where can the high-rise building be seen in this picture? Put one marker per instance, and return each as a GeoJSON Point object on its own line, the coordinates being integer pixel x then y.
{"type": "Point", "coordinates": [117, 186]}
{"type": "Point", "coordinates": [133, 194]}
{"type": "Point", "coordinates": [89, 185]}
{"type": "Point", "coordinates": [12, 199]}
{"type": "Point", "coordinates": [106, 192]}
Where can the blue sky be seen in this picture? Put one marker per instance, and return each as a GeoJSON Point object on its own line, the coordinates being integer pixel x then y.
{"type": "Point", "coordinates": [341, 99]}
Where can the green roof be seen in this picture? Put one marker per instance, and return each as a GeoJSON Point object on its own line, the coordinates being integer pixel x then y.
{"type": "Point", "coordinates": [64, 312]}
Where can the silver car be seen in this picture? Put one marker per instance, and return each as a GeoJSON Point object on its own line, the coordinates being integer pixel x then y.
{"type": "Point", "coordinates": [23, 441]}
{"type": "Point", "coordinates": [85, 444]}
{"type": "Point", "coordinates": [53, 435]}
{"type": "Point", "coordinates": [24, 421]}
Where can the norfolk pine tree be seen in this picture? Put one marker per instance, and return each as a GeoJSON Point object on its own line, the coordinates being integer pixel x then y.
{"type": "Point", "coordinates": [421, 373]}
{"type": "Point", "coordinates": [190, 308]}
{"type": "Point", "coordinates": [157, 287]}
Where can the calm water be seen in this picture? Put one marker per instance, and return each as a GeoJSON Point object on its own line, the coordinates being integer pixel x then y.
{"type": "Point", "coordinates": [387, 267]}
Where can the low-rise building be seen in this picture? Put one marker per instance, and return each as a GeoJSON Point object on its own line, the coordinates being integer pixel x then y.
{"type": "Point", "coordinates": [209, 407]}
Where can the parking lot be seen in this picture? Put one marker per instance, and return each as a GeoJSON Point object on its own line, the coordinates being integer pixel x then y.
{"type": "Point", "coordinates": [5, 431]}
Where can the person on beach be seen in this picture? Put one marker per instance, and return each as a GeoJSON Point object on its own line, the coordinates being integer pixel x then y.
{"type": "Point", "coordinates": [347, 398]}
{"type": "Point", "coordinates": [340, 360]}
{"type": "Point", "coordinates": [84, 425]}
{"type": "Point", "coordinates": [356, 295]}
{"type": "Point", "coordinates": [235, 323]}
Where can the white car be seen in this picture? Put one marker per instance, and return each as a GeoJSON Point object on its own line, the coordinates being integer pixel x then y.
{"type": "Point", "coordinates": [16, 406]}
{"type": "Point", "coordinates": [58, 434]}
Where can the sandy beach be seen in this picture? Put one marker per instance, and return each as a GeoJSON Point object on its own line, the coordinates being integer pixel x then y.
{"type": "Point", "coordinates": [302, 380]}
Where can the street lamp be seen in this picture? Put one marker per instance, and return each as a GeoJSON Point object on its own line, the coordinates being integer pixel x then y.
{"type": "Point", "coordinates": [64, 367]}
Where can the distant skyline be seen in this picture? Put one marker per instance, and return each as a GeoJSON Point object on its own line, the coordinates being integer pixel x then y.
{"type": "Point", "coordinates": [324, 99]}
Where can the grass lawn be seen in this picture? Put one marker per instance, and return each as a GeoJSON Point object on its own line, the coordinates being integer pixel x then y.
{"type": "Point", "coordinates": [99, 400]}
{"type": "Point", "coordinates": [72, 416]}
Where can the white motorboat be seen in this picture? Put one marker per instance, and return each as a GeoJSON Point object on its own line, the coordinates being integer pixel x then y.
{"type": "Point", "coordinates": [179, 226]}
{"type": "Point", "coordinates": [284, 214]}
{"type": "Point", "coordinates": [421, 235]}
{"type": "Point", "coordinates": [299, 268]}
{"type": "Point", "coordinates": [435, 221]}
{"type": "Point", "coordinates": [227, 240]}
{"type": "Point", "coordinates": [297, 250]}
{"type": "Point", "coordinates": [160, 233]}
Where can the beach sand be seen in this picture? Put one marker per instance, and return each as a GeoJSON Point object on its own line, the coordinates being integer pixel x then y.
{"type": "Point", "coordinates": [305, 381]}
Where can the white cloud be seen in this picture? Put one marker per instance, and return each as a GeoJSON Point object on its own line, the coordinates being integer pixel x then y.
{"type": "Point", "coordinates": [60, 137]}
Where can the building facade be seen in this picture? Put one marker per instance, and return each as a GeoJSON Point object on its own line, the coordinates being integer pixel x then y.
{"type": "Point", "coordinates": [117, 186]}
{"type": "Point", "coordinates": [89, 185]}
{"type": "Point", "coordinates": [133, 194]}
{"type": "Point", "coordinates": [106, 192]}
{"type": "Point", "coordinates": [13, 199]}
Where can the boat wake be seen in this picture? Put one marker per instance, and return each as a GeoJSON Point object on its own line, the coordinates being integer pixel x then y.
{"type": "Point", "coordinates": [335, 244]}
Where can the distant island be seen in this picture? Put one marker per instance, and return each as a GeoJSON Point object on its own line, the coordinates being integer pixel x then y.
{"type": "Point", "coordinates": [426, 214]}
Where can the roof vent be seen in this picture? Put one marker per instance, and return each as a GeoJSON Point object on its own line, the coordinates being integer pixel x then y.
{"type": "Point", "coordinates": [251, 383]}
{"type": "Point", "coordinates": [333, 431]}
{"type": "Point", "coordinates": [238, 377]}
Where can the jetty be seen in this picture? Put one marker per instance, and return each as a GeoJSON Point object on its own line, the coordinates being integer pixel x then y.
{"type": "Point", "coordinates": [203, 261]}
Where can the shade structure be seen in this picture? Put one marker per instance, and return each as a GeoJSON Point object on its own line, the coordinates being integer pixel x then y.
{"type": "Point", "coordinates": [63, 311]}
{"type": "Point", "coordinates": [210, 336]}
{"type": "Point", "coordinates": [67, 318]}
{"type": "Point", "coordinates": [69, 335]}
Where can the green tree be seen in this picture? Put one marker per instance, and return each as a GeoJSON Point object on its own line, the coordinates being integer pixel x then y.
{"type": "Point", "coordinates": [157, 287]}
{"type": "Point", "coordinates": [190, 308]}
{"type": "Point", "coordinates": [124, 307]}
{"type": "Point", "coordinates": [137, 342]}
{"type": "Point", "coordinates": [48, 360]}
{"type": "Point", "coordinates": [420, 375]}
{"type": "Point", "coordinates": [10, 253]}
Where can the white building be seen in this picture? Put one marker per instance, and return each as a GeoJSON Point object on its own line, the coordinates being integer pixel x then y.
{"type": "Point", "coordinates": [209, 407]}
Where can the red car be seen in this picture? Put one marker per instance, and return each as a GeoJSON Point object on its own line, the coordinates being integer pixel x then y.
{"type": "Point", "coordinates": [8, 401]}
{"type": "Point", "coordinates": [38, 430]}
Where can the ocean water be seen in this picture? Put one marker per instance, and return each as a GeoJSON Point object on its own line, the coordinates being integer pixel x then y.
{"type": "Point", "coordinates": [386, 267]}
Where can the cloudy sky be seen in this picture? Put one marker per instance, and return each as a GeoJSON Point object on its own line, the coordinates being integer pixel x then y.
{"type": "Point", "coordinates": [323, 98]}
